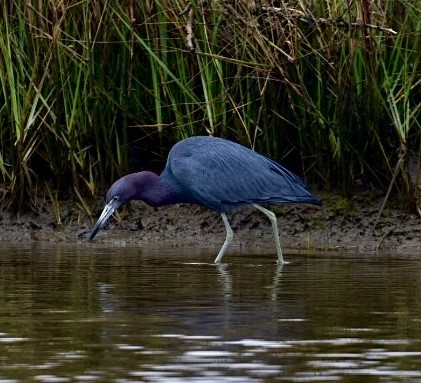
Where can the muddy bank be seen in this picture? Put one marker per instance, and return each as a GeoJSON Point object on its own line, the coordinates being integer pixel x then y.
{"type": "Point", "coordinates": [344, 224]}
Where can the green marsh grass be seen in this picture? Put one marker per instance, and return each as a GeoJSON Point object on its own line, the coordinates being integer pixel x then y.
{"type": "Point", "coordinates": [92, 90]}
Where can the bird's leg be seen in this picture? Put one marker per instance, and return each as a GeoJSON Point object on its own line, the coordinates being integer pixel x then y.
{"type": "Point", "coordinates": [228, 238]}
{"type": "Point", "coordinates": [272, 218]}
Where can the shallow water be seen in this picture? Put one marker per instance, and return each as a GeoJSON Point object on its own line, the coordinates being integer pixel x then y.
{"type": "Point", "coordinates": [87, 313]}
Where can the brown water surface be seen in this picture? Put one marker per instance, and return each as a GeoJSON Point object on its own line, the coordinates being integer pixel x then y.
{"type": "Point", "coordinates": [90, 313]}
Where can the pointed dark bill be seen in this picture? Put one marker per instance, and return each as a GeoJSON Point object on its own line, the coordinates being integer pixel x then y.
{"type": "Point", "coordinates": [108, 211]}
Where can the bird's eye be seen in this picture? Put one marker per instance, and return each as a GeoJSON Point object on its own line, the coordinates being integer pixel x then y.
{"type": "Point", "coordinates": [116, 198]}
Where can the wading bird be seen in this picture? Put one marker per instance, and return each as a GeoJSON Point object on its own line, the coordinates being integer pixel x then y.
{"type": "Point", "coordinates": [217, 174]}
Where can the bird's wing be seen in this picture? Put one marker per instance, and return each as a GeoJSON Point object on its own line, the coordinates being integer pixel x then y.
{"type": "Point", "coordinates": [221, 174]}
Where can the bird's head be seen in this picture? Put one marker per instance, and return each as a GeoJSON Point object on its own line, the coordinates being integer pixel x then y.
{"type": "Point", "coordinates": [121, 192]}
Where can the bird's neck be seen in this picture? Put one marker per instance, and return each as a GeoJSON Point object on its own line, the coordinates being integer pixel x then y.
{"type": "Point", "coordinates": [154, 191]}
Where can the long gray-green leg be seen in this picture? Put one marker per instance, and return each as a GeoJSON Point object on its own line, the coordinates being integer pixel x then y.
{"type": "Point", "coordinates": [228, 238]}
{"type": "Point", "coordinates": [272, 218]}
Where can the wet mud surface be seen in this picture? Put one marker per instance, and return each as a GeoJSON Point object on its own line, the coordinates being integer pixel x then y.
{"type": "Point", "coordinates": [342, 224]}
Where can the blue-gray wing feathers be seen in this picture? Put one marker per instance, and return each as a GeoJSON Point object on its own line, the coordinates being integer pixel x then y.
{"type": "Point", "coordinates": [221, 174]}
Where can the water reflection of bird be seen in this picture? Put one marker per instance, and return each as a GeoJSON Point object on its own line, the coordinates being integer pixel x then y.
{"type": "Point", "coordinates": [217, 174]}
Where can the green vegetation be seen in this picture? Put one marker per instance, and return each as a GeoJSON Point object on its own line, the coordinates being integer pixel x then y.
{"type": "Point", "coordinates": [93, 89]}
{"type": "Point", "coordinates": [340, 205]}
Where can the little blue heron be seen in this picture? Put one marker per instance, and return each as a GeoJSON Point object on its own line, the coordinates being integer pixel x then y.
{"type": "Point", "coordinates": [217, 174]}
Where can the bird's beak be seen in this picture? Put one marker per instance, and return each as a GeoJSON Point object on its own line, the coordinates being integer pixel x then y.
{"type": "Point", "coordinates": [108, 211]}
